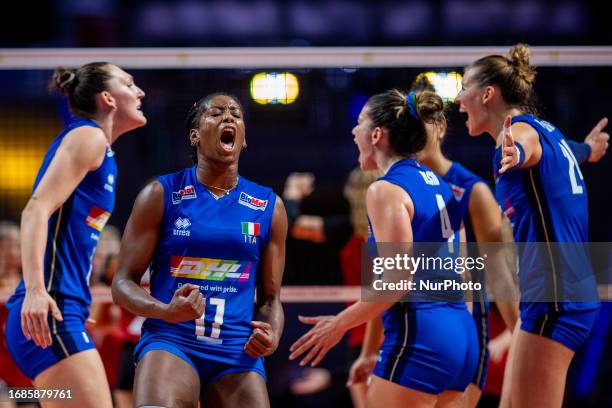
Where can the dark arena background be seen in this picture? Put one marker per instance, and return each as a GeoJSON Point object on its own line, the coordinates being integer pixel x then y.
{"type": "Point", "coordinates": [335, 54]}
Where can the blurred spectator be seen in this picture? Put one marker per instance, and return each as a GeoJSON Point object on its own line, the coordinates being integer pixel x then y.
{"type": "Point", "coordinates": [344, 234]}
{"type": "Point", "coordinates": [10, 275]}
{"type": "Point", "coordinates": [103, 264]}
{"type": "Point", "coordinates": [350, 259]}
{"type": "Point", "coordinates": [126, 339]}
{"type": "Point", "coordinates": [104, 257]}
{"type": "Point", "coordinates": [111, 326]}
{"type": "Point", "coordinates": [318, 228]}
{"type": "Point", "coordinates": [10, 256]}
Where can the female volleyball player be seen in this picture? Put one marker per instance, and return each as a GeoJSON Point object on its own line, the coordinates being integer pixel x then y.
{"type": "Point", "coordinates": [540, 187]}
{"type": "Point", "coordinates": [212, 238]}
{"type": "Point", "coordinates": [73, 197]}
{"type": "Point", "coordinates": [419, 364]}
{"type": "Point", "coordinates": [482, 220]}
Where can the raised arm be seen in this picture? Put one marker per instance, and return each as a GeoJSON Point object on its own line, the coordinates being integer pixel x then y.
{"type": "Point", "coordinates": [269, 317]}
{"type": "Point", "coordinates": [137, 250]}
{"type": "Point", "coordinates": [597, 141]}
{"type": "Point", "coordinates": [82, 150]}
{"type": "Point", "coordinates": [521, 146]}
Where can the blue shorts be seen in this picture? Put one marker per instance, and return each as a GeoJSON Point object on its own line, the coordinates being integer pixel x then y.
{"type": "Point", "coordinates": [68, 337]}
{"type": "Point", "coordinates": [480, 314]}
{"type": "Point", "coordinates": [438, 352]}
{"type": "Point", "coordinates": [209, 369]}
{"type": "Point", "coordinates": [570, 328]}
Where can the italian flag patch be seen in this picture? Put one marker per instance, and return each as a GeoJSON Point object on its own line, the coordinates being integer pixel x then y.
{"type": "Point", "coordinates": [250, 228]}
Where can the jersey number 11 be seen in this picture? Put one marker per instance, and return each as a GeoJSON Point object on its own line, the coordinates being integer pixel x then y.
{"type": "Point", "coordinates": [215, 332]}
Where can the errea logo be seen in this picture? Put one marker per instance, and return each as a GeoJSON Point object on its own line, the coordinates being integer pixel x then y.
{"type": "Point", "coordinates": [110, 181]}
{"type": "Point", "coordinates": [182, 225]}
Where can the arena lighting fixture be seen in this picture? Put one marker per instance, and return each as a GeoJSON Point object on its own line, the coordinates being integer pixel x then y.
{"type": "Point", "coordinates": [272, 88]}
{"type": "Point", "coordinates": [447, 84]}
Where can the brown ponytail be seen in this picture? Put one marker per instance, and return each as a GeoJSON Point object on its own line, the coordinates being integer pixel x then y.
{"type": "Point", "coordinates": [513, 75]}
{"type": "Point", "coordinates": [407, 133]}
{"type": "Point", "coordinates": [82, 85]}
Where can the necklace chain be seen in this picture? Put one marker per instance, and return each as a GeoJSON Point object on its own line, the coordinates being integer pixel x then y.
{"type": "Point", "coordinates": [226, 191]}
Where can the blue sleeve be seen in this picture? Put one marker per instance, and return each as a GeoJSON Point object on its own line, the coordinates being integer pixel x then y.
{"type": "Point", "coordinates": [582, 151]}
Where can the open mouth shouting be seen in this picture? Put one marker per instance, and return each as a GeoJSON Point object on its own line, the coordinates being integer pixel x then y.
{"type": "Point", "coordinates": [228, 138]}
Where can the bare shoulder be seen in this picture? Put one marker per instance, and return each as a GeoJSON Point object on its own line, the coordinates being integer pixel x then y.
{"type": "Point", "coordinates": [279, 205]}
{"type": "Point", "coordinates": [524, 132]}
{"type": "Point", "coordinates": [86, 135]}
{"type": "Point", "coordinates": [85, 144]}
{"type": "Point", "coordinates": [381, 191]}
{"type": "Point", "coordinates": [153, 192]}
{"type": "Point", "coordinates": [481, 191]}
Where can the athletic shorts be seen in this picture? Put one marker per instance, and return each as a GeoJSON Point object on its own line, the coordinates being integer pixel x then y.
{"type": "Point", "coordinates": [68, 337]}
{"type": "Point", "coordinates": [438, 352]}
{"type": "Point", "coordinates": [570, 328]}
{"type": "Point", "coordinates": [480, 315]}
{"type": "Point", "coordinates": [208, 369]}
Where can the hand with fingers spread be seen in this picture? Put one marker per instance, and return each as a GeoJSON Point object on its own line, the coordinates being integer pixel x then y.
{"type": "Point", "coordinates": [34, 316]}
{"type": "Point", "coordinates": [510, 153]}
{"type": "Point", "coordinates": [262, 342]}
{"type": "Point", "coordinates": [325, 334]}
{"type": "Point", "coordinates": [598, 141]}
{"type": "Point", "coordinates": [361, 369]}
{"type": "Point", "coordinates": [187, 304]}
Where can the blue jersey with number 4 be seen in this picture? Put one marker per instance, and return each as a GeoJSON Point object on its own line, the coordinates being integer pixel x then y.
{"type": "Point", "coordinates": [217, 245]}
{"type": "Point", "coordinates": [547, 203]}
{"type": "Point", "coordinates": [435, 223]}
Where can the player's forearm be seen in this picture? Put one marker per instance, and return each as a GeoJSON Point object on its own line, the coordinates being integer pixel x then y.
{"type": "Point", "coordinates": [361, 312]}
{"type": "Point", "coordinates": [271, 311]}
{"type": "Point", "coordinates": [373, 337]}
{"type": "Point", "coordinates": [34, 225]}
{"type": "Point", "coordinates": [137, 300]}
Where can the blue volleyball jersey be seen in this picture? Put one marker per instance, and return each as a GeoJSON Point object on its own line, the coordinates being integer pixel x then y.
{"type": "Point", "coordinates": [217, 245]}
{"type": "Point", "coordinates": [547, 203]}
{"type": "Point", "coordinates": [436, 219]}
{"type": "Point", "coordinates": [75, 228]}
{"type": "Point", "coordinates": [408, 355]}
{"type": "Point", "coordinates": [462, 181]}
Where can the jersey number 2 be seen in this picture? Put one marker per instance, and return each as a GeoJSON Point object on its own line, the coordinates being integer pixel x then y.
{"type": "Point", "coordinates": [215, 332]}
{"type": "Point", "coordinates": [573, 167]}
